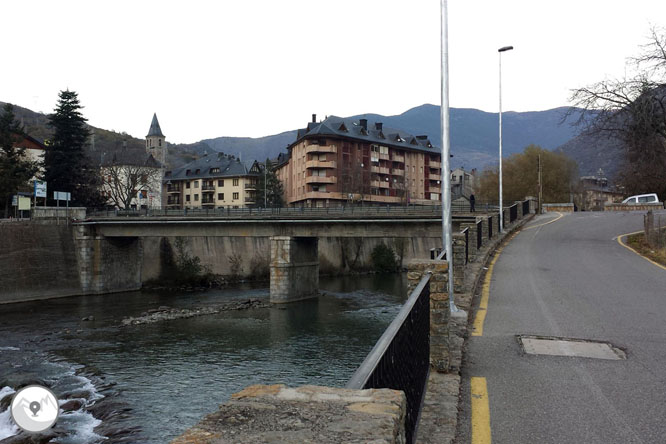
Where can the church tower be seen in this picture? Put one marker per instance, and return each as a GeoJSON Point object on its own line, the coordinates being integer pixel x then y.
{"type": "Point", "coordinates": [155, 142]}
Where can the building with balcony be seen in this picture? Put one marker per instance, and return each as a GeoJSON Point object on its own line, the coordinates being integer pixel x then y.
{"type": "Point", "coordinates": [212, 181]}
{"type": "Point", "coordinates": [342, 161]}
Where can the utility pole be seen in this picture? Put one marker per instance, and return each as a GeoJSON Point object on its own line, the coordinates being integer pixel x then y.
{"type": "Point", "coordinates": [540, 186]}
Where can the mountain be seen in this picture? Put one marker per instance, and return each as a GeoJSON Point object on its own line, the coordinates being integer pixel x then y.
{"type": "Point", "coordinates": [593, 152]}
{"type": "Point", "coordinates": [474, 133]}
{"type": "Point", "coordinates": [474, 137]}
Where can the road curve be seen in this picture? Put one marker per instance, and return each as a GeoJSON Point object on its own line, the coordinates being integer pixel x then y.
{"type": "Point", "coordinates": [571, 278]}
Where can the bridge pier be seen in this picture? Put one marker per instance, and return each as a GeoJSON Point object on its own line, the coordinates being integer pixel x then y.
{"type": "Point", "coordinates": [294, 268]}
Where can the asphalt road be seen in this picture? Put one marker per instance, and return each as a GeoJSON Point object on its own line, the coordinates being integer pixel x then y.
{"type": "Point", "coordinates": [571, 278]}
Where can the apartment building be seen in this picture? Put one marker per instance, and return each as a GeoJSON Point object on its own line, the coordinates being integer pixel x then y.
{"type": "Point", "coordinates": [341, 161]}
{"type": "Point", "coordinates": [212, 181]}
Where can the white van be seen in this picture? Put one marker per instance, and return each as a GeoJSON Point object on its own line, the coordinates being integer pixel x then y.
{"type": "Point", "coordinates": [641, 199]}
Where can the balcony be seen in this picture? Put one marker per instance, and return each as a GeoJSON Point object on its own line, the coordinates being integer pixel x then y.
{"type": "Point", "coordinates": [321, 149]}
{"type": "Point", "coordinates": [320, 164]}
{"type": "Point", "coordinates": [384, 184]}
{"type": "Point", "coordinates": [397, 158]}
{"type": "Point", "coordinates": [173, 188]}
{"type": "Point", "coordinates": [208, 202]}
{"type": "Point", "coordinates": [171, 201]}
{"type": "Point", "coordinates": [435, 190]}
{"type": "Point", "coordinates": [320, 179]}
{"type": "Point", "coordinates": [250, 186]}
{"type": "Point", "coordinates": [384, 156]}
{"type": "Point", "coordinates": [434, 177]}
{"type": "Point", "coordinates": [374, 184]}
{"type": "Point", "coordinates": [380, 170]}
{"type": "Point", "coordinates": [397, 172]}
{"type": "Point", "coordinates": [433, 164]}
{"type": "Point", "coordinates": [208, 188]}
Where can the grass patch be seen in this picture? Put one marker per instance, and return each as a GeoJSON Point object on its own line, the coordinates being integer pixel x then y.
{"type": "Point", "coordinates": [638, 243]}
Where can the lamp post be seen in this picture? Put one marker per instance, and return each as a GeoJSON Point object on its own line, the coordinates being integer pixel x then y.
{"type": "Point", "coordinates": [501, 208]}
{"type": "Point", "coordinates": [447, 239]}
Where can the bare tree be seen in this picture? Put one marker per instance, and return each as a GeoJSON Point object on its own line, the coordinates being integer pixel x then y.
{"type": "Point", "coordinates": [123, 183]}
{"type": "Point", "coordinates": [632, 111]}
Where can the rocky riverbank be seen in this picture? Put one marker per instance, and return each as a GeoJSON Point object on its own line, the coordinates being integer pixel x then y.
{"type": "Point", "coordinates": [165, 313]}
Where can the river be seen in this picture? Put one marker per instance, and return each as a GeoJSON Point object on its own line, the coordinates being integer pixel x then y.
{"type": "Point", "coordinates": [148, 383]}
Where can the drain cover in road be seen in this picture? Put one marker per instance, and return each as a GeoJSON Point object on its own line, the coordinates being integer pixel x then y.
{"type": "Point", "coordinates": [545, 345]}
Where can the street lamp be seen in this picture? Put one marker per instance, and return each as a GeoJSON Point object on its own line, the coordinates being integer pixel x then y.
{"type": "Point", "coordinates": [447, 238]}
{"type": "Point", "coordinates": [501, 208]}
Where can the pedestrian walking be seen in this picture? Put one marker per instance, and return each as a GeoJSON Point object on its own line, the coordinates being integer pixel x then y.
{"type": "Point", "coordinates": [472, 202]}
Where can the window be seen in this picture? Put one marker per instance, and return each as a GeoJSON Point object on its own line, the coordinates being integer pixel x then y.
{"type": "Point", "coordinates": [214, 170]}
{"type": "Point", "coordinates": [197, 171]}
{"type": "Point", "coordinates": [196, 197]}
{"type": "Point", "coordinates": [187, 184]}
{"type": "Point", "coordinates": [187, 197]}
{"type": "Point", "coordinates": [196, 184]}
{"type": "Point", "coordinates": [220, 196]}
{"type": "Point", "coordinates": [220, 183]}
{"type": "Point", "coordinates": [160, 142]}
{"type": "Point", "coordinates": [235, 182]}
{"type": "Point", "coordinates": [188, 172]}
{"type": "Point", "coordinates": [235, 196]}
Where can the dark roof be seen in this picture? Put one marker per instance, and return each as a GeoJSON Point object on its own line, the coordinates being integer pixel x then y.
{"type": "Point", "coordinates": [155, 129]}
{"type": "Point", "coordinates": [370, 133]}
{"type": "Point", "coordinates": [227, 166]}
{"type": "Point", "coordinates": [129, 157]}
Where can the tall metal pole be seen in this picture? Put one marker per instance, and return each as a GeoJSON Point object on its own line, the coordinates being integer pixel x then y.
{"type": "Point", "coordinates": [446, 148]}
{"type": "Point", "coordinates": [501, 207]}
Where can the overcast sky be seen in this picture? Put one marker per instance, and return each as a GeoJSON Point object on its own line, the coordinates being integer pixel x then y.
{"type": "Point", "coordinates": [260, 67]}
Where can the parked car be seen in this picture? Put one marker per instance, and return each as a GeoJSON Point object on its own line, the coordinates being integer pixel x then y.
{"type": "Point", "coordinates": [641, 199]}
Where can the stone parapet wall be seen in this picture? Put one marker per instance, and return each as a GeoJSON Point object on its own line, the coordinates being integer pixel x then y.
{"type": "Point", "coordinates": [55, 213]}
{"type": "Point", "coordinates": [307, 414]}
{"type": "Point", "coordinates": [633, 207]}
{"type": "Point", "coordinates": [440, 311]}
{"type": "Point", "coordinates": [558, 207]}
{"type": "Point", "coordinates": [458, 262]}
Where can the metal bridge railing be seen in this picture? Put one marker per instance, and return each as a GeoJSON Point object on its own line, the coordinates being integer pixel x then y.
{"type": "Point", "coordinates": [526, 207]}
{"type": "Point", "coordinates": [400, 359]}
{"type": "Point", "coordinates": [466, 233]}
{"type": "Point", "coordinates": [490, 227]}
{"type": "Point", "coordinates": [513, 212]}
{"type": "Point", "coordinates": [479, 234]}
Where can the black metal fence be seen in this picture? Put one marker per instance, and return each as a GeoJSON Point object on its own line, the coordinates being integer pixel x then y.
{"type": "Point", "coordinates": [526, 207]}
{"type": "Point", "coordinates": [479, 234]}
{"type": "Point", "coordinates": [401, 358]}
{"type": "Point", "coordinates": [513, 212]}
{"type": "Point", "coordinates": [490, 227]}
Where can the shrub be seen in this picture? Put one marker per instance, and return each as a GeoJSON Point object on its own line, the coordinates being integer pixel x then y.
{"type": "Point", "coordinates": [383, 258]}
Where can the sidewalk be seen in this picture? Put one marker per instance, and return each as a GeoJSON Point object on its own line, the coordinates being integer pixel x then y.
{"type": "Point", "coordinates": [439, 416]}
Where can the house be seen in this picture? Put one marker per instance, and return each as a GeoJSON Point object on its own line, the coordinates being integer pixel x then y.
{"type": "Point", "coordinates": [212, 181]}
{"type": "Point", "coordinates": [597, 192]}
{"type": "Point", "coordinates": [462, 183]}
{"type": "Point", "coordinates": [34, 151]}
{"type": "Point", "coordinates": [132, 180]}
{"type": "Point", "coordinates": [341, 161]}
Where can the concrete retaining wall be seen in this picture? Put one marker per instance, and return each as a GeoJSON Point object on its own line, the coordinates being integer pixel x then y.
{"type": "Point", "coordinates": [558, 207]}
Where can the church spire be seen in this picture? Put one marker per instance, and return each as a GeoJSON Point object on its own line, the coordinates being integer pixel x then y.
{"type": "Point", "coordinates": [155, 129]}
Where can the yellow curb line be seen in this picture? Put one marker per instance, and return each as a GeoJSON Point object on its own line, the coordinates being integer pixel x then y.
{"type": "Point", "coordinates": [619, 241]}
{"type": "Point", "coordinates": [480, 411]}
{"type": "Point", "coordinates": [560, 216]}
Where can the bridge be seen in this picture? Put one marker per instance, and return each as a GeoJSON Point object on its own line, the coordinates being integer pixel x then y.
{"type": "Point", "coordinates": [293, 242]}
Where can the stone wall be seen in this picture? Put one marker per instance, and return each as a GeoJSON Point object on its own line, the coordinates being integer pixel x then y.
{"type": "Point", "coordinates": [308, 414]}
{"type": "Point", "coordinates": [440, 310]}
{"type": "Point", "coordinates": [558, 207]}
{"type": "Point", "coordinates": [633, 207]}
{"type": "Point", "coordinates": [55, 213]}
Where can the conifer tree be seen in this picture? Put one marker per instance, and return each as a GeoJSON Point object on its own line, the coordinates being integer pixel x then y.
{"type": "Point", "coordinates": [68, 168]}
{"type": "Point", "coordinates": [273, 197]}
{"type": "Point", "coordinates": [15, 168]}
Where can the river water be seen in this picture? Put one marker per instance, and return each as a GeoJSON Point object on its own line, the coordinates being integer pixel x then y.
{"type": "Point", "coordinates": [148, 383]}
